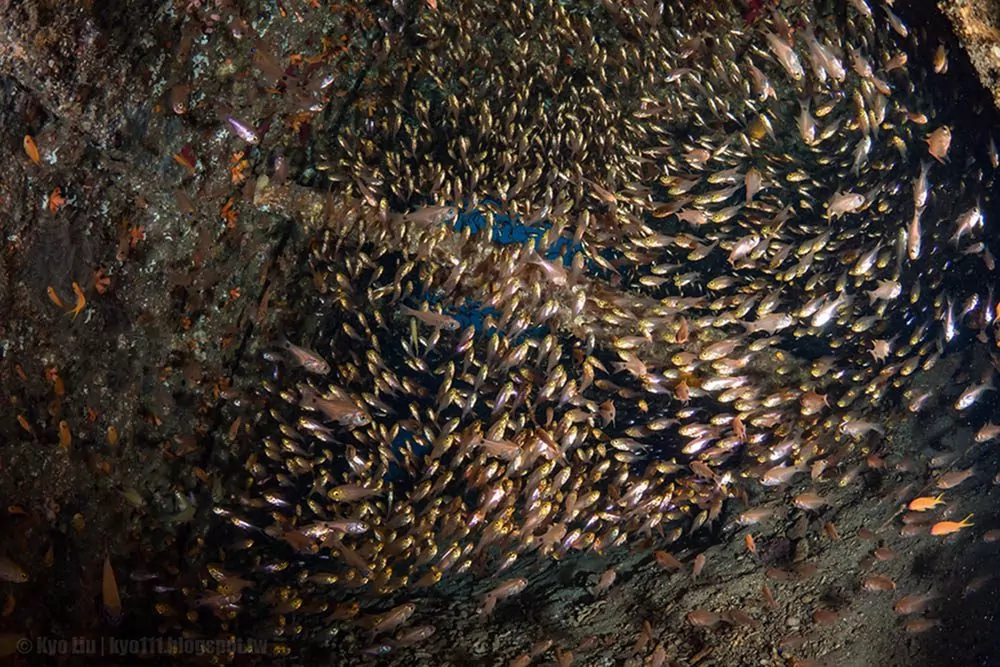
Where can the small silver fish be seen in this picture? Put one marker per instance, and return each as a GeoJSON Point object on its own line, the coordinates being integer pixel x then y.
{"type": "Point", "coordinates": [857, 427]}
{"type": "Point", "coordinates": [843, 202]}
{"type": "Point", "coordinates": [781, 474]}
{"type": "Point", "coordinates": [785, 55]}
{"type": "Point", "coordinates": [972, 394]}
{"type": "Point", "coordinates": [243, 132]}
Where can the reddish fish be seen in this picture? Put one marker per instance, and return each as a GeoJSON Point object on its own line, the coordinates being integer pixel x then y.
{"type": "Point", "coordinates": [309, 360]}
{"type": "Point", "coordinates": [432, 319]}
{"type": "Point", "coordinates": [342, 410]}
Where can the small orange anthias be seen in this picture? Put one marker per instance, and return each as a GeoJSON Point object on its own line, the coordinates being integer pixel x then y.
{"type": "Point", "coordinates": [81, 301]}
{"type": "Point", "coordinates": [925, 503]}
{"type": "Point", "coordinates": [949, 527]}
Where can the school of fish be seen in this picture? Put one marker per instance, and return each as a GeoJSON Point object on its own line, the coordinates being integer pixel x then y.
{"type": "Point", "coordinates": [748, 234]}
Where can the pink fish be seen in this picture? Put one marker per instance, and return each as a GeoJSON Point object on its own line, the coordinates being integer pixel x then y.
{"type": "Point", "coordinates": [432, 319]}
{"type": "Point", "coordinates": [309, 360]}
{"type": "Point", "coordinates": [857, 427]}
{"type": "Point", "coordinates": [785, 55]}
{"type": "Point", "coordinates": [781, 474]}
{"type": "Point", "coordinates": [342, 410]}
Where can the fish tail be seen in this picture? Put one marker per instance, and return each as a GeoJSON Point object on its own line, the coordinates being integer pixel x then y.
{"type": "Point", "coordinates": [113, 617]}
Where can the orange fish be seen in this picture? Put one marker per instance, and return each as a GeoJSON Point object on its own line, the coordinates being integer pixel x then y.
{"type": "Point", "coordinates": [703, 618]}
{"type": "Point", "coordinates": [185, 161]}
{"type": "Point", "coordinates": [925, 503]}
{"type": "Point", "coordinates": [948, 527]}
{"type": "Point", "coordinates": [81, 301]}
{"type": "Point", "coordinates": [831, 531]}
{"type": "Point", "coordinates": [54, 297]}
{"type": "Point", "coordinates": [56, 200]}
{"type": "Point", "coordinates": [921, 624]}
{"type": "Point", "coordinates": [667, 560]}
{"type": "Point", "coordinates": [23, 421]}
{"type": "Point", "coordinates": [699, 565]}
{"type": "Point", "coordinates": [750, 543]}
{"type": "Point", "coordinates": [31, 148]}
{"type": "Point", "coordinates": [65, 436]}
{"type": "Point", "coordinates": [878, 582]}
{"type": "Point", "coordinates": [682, 392]}
{"type": "Point", "coordinates": [605, 582]}
{"type": "Point", "coordinates": [739, 430]}
{"type": "Point", "coordinates": [769, 597]}
{"type": "Point", "coordinates": [682, 332]}
{"type": "Point", "coordinates": [916, 603]}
